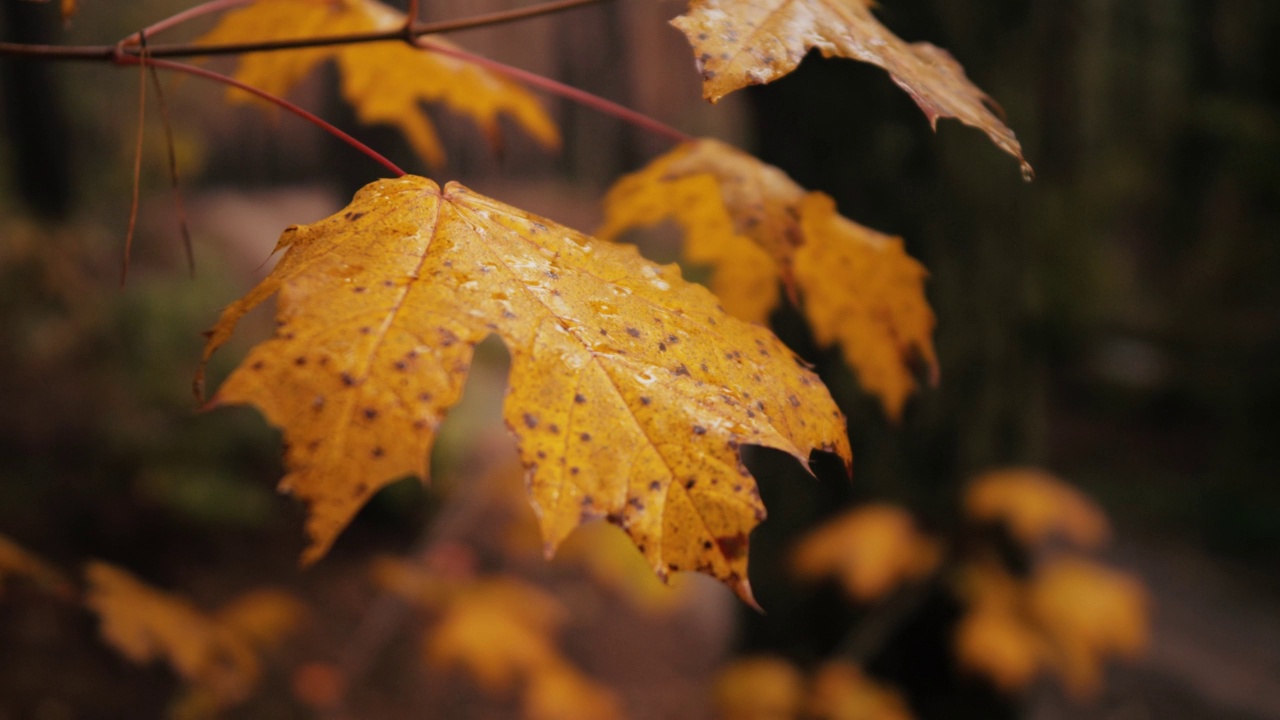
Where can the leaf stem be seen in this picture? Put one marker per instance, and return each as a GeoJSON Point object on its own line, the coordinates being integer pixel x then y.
{"type": "Point", "coordinates": [285, 104]}
{"type": "Point", "coordinates": [556, 87]}
{"type": "Point", "coordinates": [206, 8]}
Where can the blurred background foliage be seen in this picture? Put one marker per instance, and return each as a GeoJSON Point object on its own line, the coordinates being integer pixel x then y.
{"type": "Point", "coordinates": [1117, 320]}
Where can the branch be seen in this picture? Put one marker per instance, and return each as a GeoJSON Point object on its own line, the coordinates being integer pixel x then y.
{"type": "Point", "coordinates": [285, 104]}
{"type": "Point", "coordinates": [188, 50]}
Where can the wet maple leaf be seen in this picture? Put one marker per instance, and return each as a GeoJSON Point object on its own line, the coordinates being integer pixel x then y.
{"type": "Point", "coordinates": [218, 655]}
{"type": "Point", "coordinates": [384, 82]}
{"type": "Point", "coordinates": [751, 42]}
{"type": "Point", "coordinates": [870, 550]}
{"type": "Point", "coordinates": [630, 392]}
{"type": "Point", "coordinates": [1036, 506]}
{"type": "Point", "coordinates": [755, 226]}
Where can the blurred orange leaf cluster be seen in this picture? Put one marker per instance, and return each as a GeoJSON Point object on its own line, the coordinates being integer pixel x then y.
{"type": "Point", "coordinates": [755, 226]}
{"type": "Point", "coordinates": [16, 562]}
{"type": "Point", "coordinates": [1036, 506]}
{"type": "Point", "coordinates": [1071, 615]}
{"type": "Point", "coordinates": [870, 550]}
{"type": "Point", "coordinates": [384, 82]}
{"type": "Point", "coordinates": [769, 688]}
{"type": "Point", "coordinates": [218, 654]}
{"type": "Point", "coordinates": [501, 631]}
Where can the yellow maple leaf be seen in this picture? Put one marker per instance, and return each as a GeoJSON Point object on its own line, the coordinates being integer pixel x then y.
{"type": "Point", "coordinates": [216, 654]}
{"type": "Point", "coordinates": [751, 42]}
{"type": "Point", "coordinates": [1088, 613]}
{"type": "Point", "coordinates": [630, 393]}
{"type": "Point", "coordinates": [385, 82]}
{"type": "Point", "coordinates": [759, 688]}
{"type": "Point", "coordinates": [755, 226]}
{"type": "Point", "coordinates": [1036, 506]}
{"type": "Point", "coordinates": [870, 550]}
{"type": "Point", "coordinates": [840, 691]}
{"type": "Point", "coordinates": [17, 562]}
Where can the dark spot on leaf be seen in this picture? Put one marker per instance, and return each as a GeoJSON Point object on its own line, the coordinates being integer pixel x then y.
{"type": "Point", "coordinates": [655, 486]}
{"type": "Point", "coordinates": [704, 367]}
{"type": "Point", "coordinates": [401, 365]}
{"type": "Point", "coordinates": [300, 361]}
{"type": "Point", "coordinates": [795, 401]}
{"type": "Point", "coordinates": [424, 396]}
{"type": "Point", "coordinates": [360, 490]}
{"type": "Point", "coordinates": [688, 484]}
{"type": "Point", "coordinates": [707, 545]}
{"type": "Point", "coordinates": [366, 330]}
{"type": "Point", "coordinates": [353, 216]}
{"type": "Point", "coordinates": [682, 370]}
{"type": "Point", "coordinates": [573, 470]}
{"type": "Point", "coordinates": [662, 347]}
{"type": "Point", "coordinates": [542, 455]}
{"type": "Point", "coordinates": [585, 437]}
{"type": "Point", "coordinates": [673, 339]}
{"type": "Point", "coordinates": [578, 398]}
{"type": "Point", "coordinates": [359, 289]}
{"type": "Point", "coordinates": [553, 428]}
{"type": "Point", "coordinates": [699, 430]}
{"type": "Point", "coordinates": [347, 379]}
{"type": "Point", "coordinates": [388, 283]}
{"type": "Point", "coordinates": [257, 365]}
{"type": "Point", "coordinates": [530, 420]}
{"type": "Point", "coordinates": [633, 332]}
{"type": "Point", "coordinates": [447, 337]}
{"type": "Point", "coordinates": [317, 403]}
{"type": "Point", "coordinates": [645, 400]}
{"type": "Point", "coordinates": [603, 331]}
{"type": "Point", "coordinates": [377, 452]}
{"type": "Point", "coordinates": [733, 546]}
{"type": "Point", "coordinates": [371, 413]}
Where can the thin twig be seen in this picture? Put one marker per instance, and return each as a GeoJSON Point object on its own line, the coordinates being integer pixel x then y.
{"type": "Point", "coordinates": [137, 163]}
{"type": "Point", "coordinates": [188, 50]}
{"type": "Point", "coordinates": [304, 114]}
{"type": "Point", "coordinates": [174, 181]}
{"type": "Point", "coordinates": [556, 87]}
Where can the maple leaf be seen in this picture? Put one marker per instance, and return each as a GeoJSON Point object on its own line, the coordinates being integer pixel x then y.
{"type": "Point", "coordinates": [630, 392]}
{"type": "Point", "coordinates": [1036, 506]}
{"type": "Point", "coordinates": [871, 550]}
{"type": "Point", "coordinates": [996, 642]}
{"type": "Point", "coordinates": [751, 42]}
{"type": "Point", "coordinates": [384, 82]}
{"type": "Point", "coordinates": [218, 655]}
{"type": "Point", "coordinates": [754, 226]}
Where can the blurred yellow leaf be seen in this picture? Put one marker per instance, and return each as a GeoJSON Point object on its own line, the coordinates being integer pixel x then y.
{"type": "Point", "coordinates": [216, 656]}
{"type": "Point", "coordinates": [264, 617]}
{"type": "Point", "coordinates": [759, 688]}
{"type": "Point", "coordinates": [1088, 613]}
{"type": "Point", "coordinates": [499, 630]}
{"type": "Point", "coordinates": [841, 692]}
{"type": "Point", "coordinates": [991, 639]}
{"type": "Point", "coordinates": [870, 550]}
{"type": "Point", "coordinates": [560, 692]}
{"type": "Point", "coordinates": [17, 562]}
{"type": "Point", "coordinates": [384, 82]}
{"type": "Point", "coordinates": [755, 226]}
{"type": "Point", "coordinates": [1036, 505]}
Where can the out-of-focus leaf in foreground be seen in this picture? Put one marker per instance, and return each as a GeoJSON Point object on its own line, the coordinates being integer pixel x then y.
{"type": "Point", "coordinates": [385, 82]}
{"type": "Point", "coordinates": [751, 42]}
{"type": "Point", "coordinates": [755, 226]}
{"type": "Point", "coordinates": [631, 391]}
